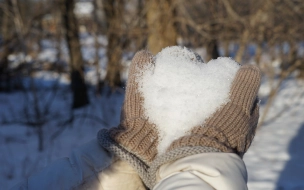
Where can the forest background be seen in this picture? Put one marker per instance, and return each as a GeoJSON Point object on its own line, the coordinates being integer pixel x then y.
{"type": "Point", "coordinates": [64, 63]}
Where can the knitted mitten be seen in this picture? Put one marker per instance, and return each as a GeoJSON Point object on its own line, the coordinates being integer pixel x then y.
{"type": "Point", "coordinates": [232, 127]}
{"type": "Point", "coordinates": [135, 133]}
{"type": "Point", "coordinates": [135, 139]}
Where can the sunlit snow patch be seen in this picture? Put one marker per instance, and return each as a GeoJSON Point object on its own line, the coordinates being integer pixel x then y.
{"type": "Point", "coordinates": [181, 91]}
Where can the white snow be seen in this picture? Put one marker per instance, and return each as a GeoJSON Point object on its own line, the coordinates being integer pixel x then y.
{"type": "Point", "coordinates": [19, 155]}
{"type": "Point", "coordinates": [275, 158]}
{"type": "Point", "coordinates": [181, 91]}
{"type": "Point", "coordinates": [83, 8]}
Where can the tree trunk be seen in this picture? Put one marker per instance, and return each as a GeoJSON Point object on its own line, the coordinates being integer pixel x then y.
{"type": "Point", "coordinates": [212, 50]}
{"type": "Point", "coordinates": [79, 89]}
{"type": "Point", "coordinates": [113, 11]}
{"type": "Point", "coordinates": [161, 27]}
{"type": "Point", "coordinates": [141, 25]}
{"type": "Point", "coordinates": [96, 28]}
{"type": "Point", "coordinates": [242, 46]}
{"type": "Point", "coordinates": [6, 49]}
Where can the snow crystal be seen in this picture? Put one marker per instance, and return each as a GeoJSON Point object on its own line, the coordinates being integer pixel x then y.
{"type": "Point", "coordinates": [181, 91]}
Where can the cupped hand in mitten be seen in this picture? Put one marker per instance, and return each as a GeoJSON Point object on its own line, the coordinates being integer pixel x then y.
{"type": "Point", "coordinates": [232, 127]}
{"type": "Point", "coordinates": [152, 93]}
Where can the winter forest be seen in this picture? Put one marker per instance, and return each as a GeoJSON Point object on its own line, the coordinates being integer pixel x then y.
{"type": "Point", "coordinates": [64, 65]}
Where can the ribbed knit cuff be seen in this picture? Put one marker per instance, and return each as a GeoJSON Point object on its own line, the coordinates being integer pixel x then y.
{"type": "Point", "coordinates": [108, 143]}
{"type": "Point", "coordinates": [148, 173]}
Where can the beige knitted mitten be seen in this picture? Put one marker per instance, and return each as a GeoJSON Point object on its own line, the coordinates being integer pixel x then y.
{"type": "Point", "coordinates": [135, 133]}
{"type": "Point", "coordinates": [232, 127]}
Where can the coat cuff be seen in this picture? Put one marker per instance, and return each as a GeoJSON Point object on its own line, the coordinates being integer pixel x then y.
{"type": "Point", "coordinates": [225, 171]}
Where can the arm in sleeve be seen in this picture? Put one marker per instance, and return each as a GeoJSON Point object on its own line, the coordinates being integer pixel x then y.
{"type": "Point", "coordinates": [225, 171]}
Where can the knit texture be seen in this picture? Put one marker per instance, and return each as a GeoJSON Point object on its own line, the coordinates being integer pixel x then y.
{"type": "Point", "coordinates": [145, 172]}
{"type": "Point", "coordinates": [232, 127]}
{"type": "Point", "coordinates": [109, 144]}
{"type": "Point", "coordinates": [135, 133]}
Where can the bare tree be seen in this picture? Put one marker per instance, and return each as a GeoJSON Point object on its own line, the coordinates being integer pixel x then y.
{"type": "Point", "coordinates": [161, 25]}
{"type": "Point", "coordinates": [7, 39]}
{"type": "Point", "coordinates": [97, 26]}
{"type": "Point", "coordinates": [80, 97]}
{"type": "Point", "coordinates": [113, 11]}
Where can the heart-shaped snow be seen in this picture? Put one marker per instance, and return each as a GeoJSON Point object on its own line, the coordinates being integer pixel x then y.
{"type": "Point", "coordinates": [180, 91]}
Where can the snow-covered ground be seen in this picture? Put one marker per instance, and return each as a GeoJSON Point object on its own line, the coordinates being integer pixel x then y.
{"type": "Point", "coordinates": [19, 155]}
{"type": "Point", "coordinates": [274, 161]}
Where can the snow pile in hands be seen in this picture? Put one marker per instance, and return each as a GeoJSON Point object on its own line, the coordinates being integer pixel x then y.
{"type": "Point", "coordinates": [181, 91]}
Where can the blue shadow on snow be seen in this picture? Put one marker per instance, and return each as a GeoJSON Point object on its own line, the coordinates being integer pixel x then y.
{"type": "Point", "coordinates": [292, 176]}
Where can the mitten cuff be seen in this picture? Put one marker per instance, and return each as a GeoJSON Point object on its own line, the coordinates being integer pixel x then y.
{"type": "Point", "coordinates": [109, 144]}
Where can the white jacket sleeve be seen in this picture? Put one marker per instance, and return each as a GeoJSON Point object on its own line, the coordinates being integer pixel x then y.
{"type": "Point", "coordinates": [88, 167]}
{"type": "Point", "coordinates": [224, 171]}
